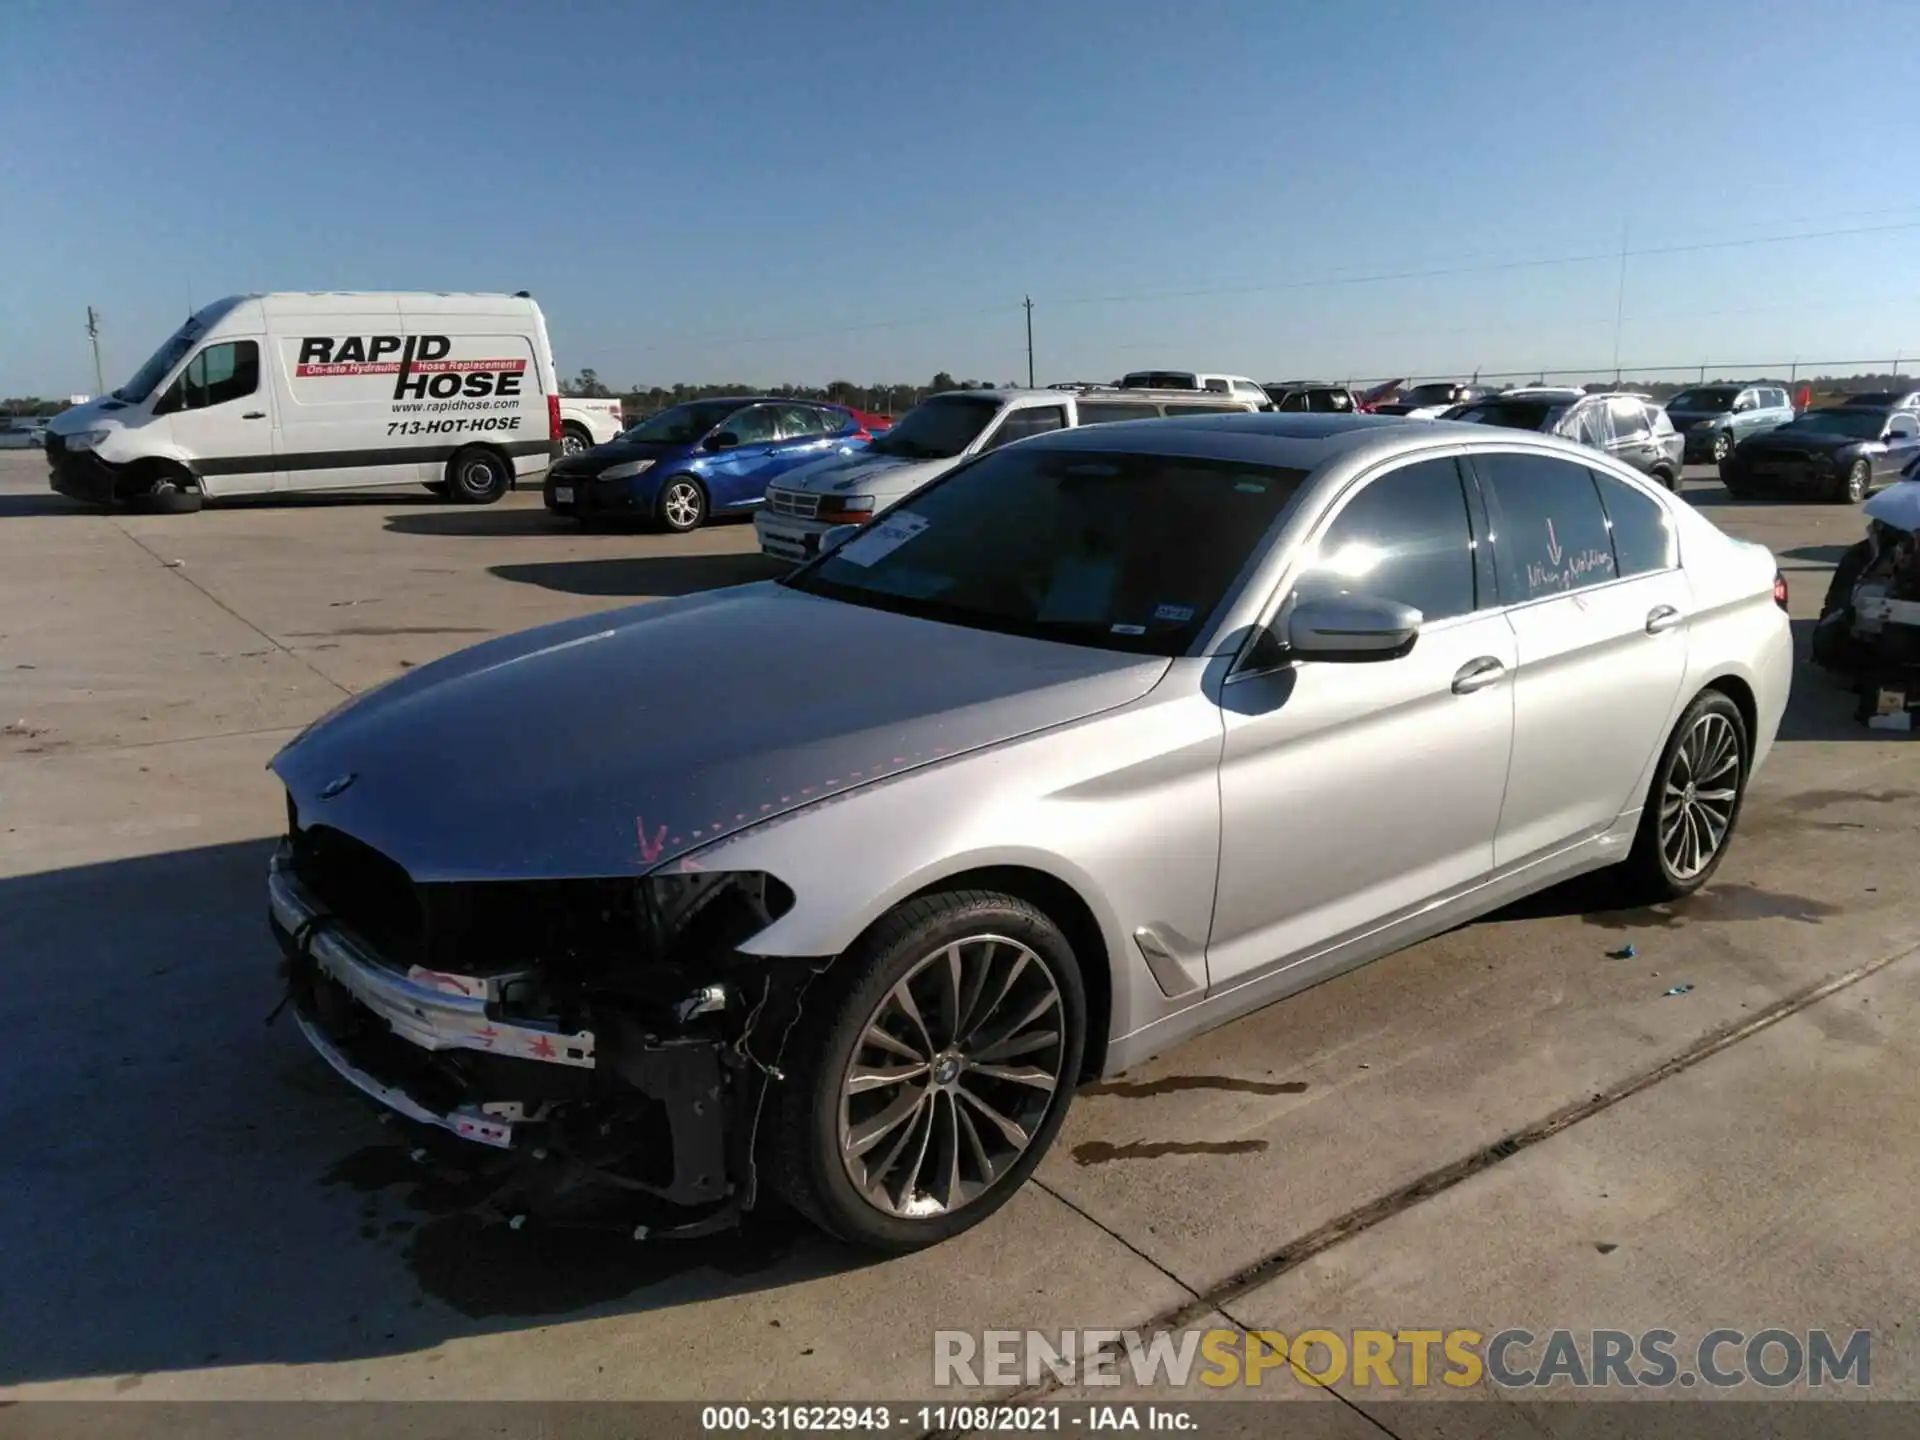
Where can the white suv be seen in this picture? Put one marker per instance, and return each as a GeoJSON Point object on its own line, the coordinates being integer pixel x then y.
{"type": "Point", "coordinates": [936, 435]}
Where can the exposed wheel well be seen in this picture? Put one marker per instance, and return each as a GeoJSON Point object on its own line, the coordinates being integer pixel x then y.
{"type": "Point", "coordinates": [139, 477]}
{"type": "Point", "coordinates": [1062, 905]}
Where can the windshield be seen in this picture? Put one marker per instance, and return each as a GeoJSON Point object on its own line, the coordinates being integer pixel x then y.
{"type": "Point", "coordinates": [1860, 424]}
{"type": "Point", "coordinates": [1122, 552]}
{"type": "Point", "coordinates": [1709, 402]}
{"type": "Point", "coordinates": [170, 354]}
{"type": "Point", "coordinates": [936, 429]}
{"type": "Point", "coordinates": [1512, 414]}
{"type": "Point", "coordinates": [683, 424]}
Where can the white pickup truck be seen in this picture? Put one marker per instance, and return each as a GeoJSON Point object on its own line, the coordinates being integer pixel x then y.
{"type": "Point", "coordinates": [932, 438]}
{"type": "Point", "coordinates": [587, 423]}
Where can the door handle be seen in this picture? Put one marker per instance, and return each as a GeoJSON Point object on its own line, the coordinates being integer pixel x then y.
{"type": "Point", "coordinates": [254, 415]}
{"type": "Point", "coordinates": [1662, 618]}
{"type": "Point", "coordinates": [1477, 675]}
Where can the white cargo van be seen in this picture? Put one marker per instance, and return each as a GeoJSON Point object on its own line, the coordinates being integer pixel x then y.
{"type": "Point", "coordinates": [264, 394]}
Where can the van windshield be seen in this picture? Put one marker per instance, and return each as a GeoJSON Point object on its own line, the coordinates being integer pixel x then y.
{"type": "Point", "coordinates": [170, 354]}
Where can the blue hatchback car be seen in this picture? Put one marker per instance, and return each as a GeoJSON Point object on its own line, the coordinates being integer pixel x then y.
{"type": "Point", "coordinates": [704, 458]}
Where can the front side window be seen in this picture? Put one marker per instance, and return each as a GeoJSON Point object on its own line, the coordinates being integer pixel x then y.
{"type": "Point", "coordinates": [1902, 427]}
{"type": "Point", "coordinates": [1019, 424]}
{"type": "Point", "coordinates": [1404, 537]}
{"type": "Point", "coordinates": [756, 425]}
{"type": "Point", "coordinates": [1643, 538]}
{"type": "Point", "coordinates": [1124, 552]}
{"type": "Point", "coordinates": [1549, 531]}
{"type": "Point", "coordinates": [219, 373]}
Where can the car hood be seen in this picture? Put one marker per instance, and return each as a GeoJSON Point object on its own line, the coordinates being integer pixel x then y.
{"type": "Point", "coordinates": [616, 452]}
{"type": "Point", "coordinates": [863, 472]}
{"type": "Point", "coordinates": [612, 743]}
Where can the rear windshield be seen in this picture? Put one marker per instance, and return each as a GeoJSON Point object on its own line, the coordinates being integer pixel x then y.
{"type": "Point", "coordinates": [1512, 414]}
{"type": "Point", "coordinates": [1123, 552]}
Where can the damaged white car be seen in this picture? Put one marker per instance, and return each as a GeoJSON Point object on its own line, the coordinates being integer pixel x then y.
{"type": "Point", "coordinates": [839, 886]}
{"type": "Point", "coordinates": [1869, 629]}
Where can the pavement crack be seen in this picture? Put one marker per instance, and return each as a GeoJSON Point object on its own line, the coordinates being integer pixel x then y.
{"type": "Point", "coordinates": [181, 571]}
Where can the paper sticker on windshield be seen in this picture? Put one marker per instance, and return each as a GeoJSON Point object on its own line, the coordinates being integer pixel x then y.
{"type": "Point", "coordinates": [1178, 614]}
{"type": "Point", "coordinates": [1250, 487]}
{"type": "Point", "coordinates": [1129, 630]}
{"type": "Point", "coordinates": [882, 540]}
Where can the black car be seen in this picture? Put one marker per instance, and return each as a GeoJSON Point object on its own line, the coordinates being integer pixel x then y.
{"type": "Point", "coordinates": [1630, 428]}
{"type": "Point", "coordinates": [1839, 453]}
{"type": "Point", "coordinates": [1885, 400]}
{"type": "Point", "coordinates": [1316, 396]}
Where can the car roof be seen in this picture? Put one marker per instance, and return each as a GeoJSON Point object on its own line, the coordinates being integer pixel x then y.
{"type": "Point", "coordinates": [1297, 439]}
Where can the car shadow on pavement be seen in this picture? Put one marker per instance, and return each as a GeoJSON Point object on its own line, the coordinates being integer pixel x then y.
{"type": "Point", "coordinates": [187, 1186]}
{"type": "Point", "coordinates": [44, 503]}
{"type": "Point", "coordinates": [648, 575]}
{"type": "Point", "coordinates": [465, 522]}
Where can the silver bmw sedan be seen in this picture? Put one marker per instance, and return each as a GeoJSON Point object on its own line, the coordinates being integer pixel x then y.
{"type": "Point", "coordinates": [838, 886]}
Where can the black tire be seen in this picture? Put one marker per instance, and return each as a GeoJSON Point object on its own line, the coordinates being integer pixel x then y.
{"type": "Point", "coordinates": [1649, 876]}
{"type": "Point", "coordinates": [1669, 478]}
{"type": "Point", "coordinates": [1722, 447]}
{"type": "Point", "coordinates": [853, 999]}
{"type": "Point", "coordinates": [438, 487]}
{"type": "Point", "coordinates": [170, 494]}
{"type": "Point", "coordinates": [478, 476]}
{"type": "Point", "coordinates": [682, 506]}
{"type": "Point", "coordinates": [1854, 485]}
{"type": "Point", "coordinates": [574, 439]}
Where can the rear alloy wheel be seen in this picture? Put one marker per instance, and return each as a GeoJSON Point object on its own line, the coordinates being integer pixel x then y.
{"type": "Point", "coordinates": [1722, 447]}
{"type": "Point", "coordinates": [683, 504]}
{"type": "Point", "coordinates": [1854, 488]}
{"type": "Point", "coordinates": [478, 477]}
{"type": "Point", "coordinates": [1695, 801]}
{"type": "Point", "coordinates": [575, 441]}
{"type": "Point", "coordinates": [926, 1088]}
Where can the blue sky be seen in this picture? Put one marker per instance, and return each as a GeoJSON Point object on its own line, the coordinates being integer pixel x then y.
{"type": "Point", "coordinates": [797, 193]}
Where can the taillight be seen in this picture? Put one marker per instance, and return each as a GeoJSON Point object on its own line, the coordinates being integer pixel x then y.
{"type": "Point", "coordinates": [554, 432]}
{"type": "Point", "coordinates": [1780, 589]}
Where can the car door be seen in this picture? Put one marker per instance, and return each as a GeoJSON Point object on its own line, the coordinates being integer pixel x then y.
{"type": "Point", "coordinates": [1355, 793]}
{"type": "Point", "coordinates": [218, 411]}
{"type": "Point", "coordinates": [1601, 642]}
{"type": "Point", "coordinates": [1903, 444]}
{"type": "Point", "coordinates": [736, 470]}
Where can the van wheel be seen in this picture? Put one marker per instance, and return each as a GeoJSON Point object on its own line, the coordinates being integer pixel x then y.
{"type": "Point", "coordinates": [929, 1071]}
{"type": "Point", "coordinates": [172, 493]}
{"type": "Point", "coordinates": [477, 477]}
{"type": "Point", "coordinates": [683, 504]}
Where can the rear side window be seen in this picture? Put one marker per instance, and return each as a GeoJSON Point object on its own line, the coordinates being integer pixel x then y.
{"type": "Point", "coordinates": [1643, 538]}
{"type": "Point", "coordinates": [1629, 419]}
{"type": "Point", "coordinates": [1330, 402]}
{"type": "Point", "coordinates": [1109, 412]}
{"type": "Point", "coordinates": [1405, 537]}
{"type": "Point", "coordinates": [1018, 424]}
{"type": "Point", "coordinates": [756, 425]}
{"type": "Point", "coordinates": [1590, 426]}
{"type": "Point", "coordinates": [1549, 530]}
{"type": "Point", "coordinates": [1295, 400]}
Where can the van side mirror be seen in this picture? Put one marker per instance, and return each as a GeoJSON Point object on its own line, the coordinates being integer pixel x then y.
{"type": "Point", "coordinates": [1354, 629]}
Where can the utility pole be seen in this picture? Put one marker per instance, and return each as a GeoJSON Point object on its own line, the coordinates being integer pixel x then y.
{"type": "Point", "coordinates": [93, 334]}
{"type": "Point", "coordinates": [1028, 303]}
{"type": "Point", "coordinates": [1620, 298]}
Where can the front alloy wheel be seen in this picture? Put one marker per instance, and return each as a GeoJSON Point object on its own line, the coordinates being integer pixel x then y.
{"type": "Point", "coordinates": [951, 1077]}
{"type": "Point", "coordinates": [683, 505]}
{"type": "Point", "coordinates": [1858, 479]}
{"type": "Point", "coordinates": [929, 1070]}
{"type": "Point", "coordinates": [1722, 447]}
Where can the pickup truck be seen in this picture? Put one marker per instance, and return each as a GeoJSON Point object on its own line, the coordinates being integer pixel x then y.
{"type": "Point", "coordinates": [587, 423]}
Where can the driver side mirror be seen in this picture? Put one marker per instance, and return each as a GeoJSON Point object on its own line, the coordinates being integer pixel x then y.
{"type": "Point", "coordinates": [1355, 629]}
{"type": "Point", "coordinates": [722, 440]}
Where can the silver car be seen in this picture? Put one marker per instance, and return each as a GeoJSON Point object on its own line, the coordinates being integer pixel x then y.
{"type": "Point", "coordinates": [839, 885]}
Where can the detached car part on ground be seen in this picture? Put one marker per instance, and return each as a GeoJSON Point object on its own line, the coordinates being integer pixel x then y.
{"type": "Point", "coordinates": [1869, 628]}
{"type": "Point", "coordinates": [838, 886]}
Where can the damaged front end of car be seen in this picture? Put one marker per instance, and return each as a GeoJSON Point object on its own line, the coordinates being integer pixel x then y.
{"type": "Point", "coordinates": [593, 1039]}
{"type": "Point", "coordinates": [1869, 628]}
